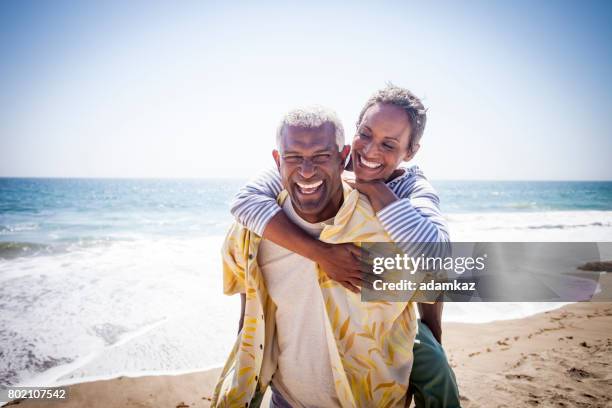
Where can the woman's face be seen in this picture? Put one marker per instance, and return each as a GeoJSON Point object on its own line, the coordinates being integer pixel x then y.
{"type": "Point", "coordinates": [381, 142]}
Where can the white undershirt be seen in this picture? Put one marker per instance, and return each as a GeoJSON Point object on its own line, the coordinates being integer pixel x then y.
{"type": "Point", "coordinates": [303, 376]}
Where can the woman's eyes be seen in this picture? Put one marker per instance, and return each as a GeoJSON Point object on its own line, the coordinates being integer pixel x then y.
{"type": "Point", "coordinates": [387, 146]}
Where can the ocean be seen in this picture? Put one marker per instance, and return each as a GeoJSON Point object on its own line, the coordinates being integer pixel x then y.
{"type": "Point", "coordinates": [107, 277]}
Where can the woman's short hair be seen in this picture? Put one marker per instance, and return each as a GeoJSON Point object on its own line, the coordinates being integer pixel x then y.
{"type": "Point", "coordinates": [411, 104]}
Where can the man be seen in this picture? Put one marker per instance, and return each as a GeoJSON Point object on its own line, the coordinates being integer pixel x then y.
{"type": "Point", "coordinates": [323, 346]}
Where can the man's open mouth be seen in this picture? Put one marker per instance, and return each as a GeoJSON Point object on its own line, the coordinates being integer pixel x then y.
{"type": "Point", "coordinates": [309, 188]}
{"type": "Point", "coordinates": [369, 164]}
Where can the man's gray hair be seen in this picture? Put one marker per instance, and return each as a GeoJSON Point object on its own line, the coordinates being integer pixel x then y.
{"type": "Point", "coordinates": [311, 117]}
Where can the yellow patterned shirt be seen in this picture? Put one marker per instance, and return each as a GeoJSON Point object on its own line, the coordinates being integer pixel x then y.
{"type": "Point", "coordinates": [370, 343]}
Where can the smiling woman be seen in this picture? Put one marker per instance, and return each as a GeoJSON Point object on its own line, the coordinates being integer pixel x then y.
{"type": "Point", "coordinates": [389, 129]}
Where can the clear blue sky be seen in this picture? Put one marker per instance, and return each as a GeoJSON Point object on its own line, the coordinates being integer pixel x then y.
{"type": "Point", "coordinates": [515, 90]}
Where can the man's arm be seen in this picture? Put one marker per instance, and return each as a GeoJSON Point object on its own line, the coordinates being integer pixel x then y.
{"type": "Point", "coordinates": [431, 315]}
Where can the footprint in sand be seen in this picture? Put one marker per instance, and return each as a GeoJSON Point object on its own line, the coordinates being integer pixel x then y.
{"type": "Point", "coordinates": [579, 374]}
{"type": "Point", "coordinates": [519, 377]}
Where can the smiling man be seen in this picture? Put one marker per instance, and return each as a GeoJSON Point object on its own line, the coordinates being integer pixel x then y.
{"type": "Point", "coordinates": [309, 337]}
{"type": "Point", "coordinates": [310, 163]}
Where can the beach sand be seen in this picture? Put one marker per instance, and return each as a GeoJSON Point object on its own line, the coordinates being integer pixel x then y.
{"type": "Point", "coordinates": [561, 358]}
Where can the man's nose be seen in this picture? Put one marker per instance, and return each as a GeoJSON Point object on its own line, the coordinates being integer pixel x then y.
{"type": "Point", "coordinates": [307, 169]}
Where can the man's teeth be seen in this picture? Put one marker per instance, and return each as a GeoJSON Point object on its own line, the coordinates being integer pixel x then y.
{"type": "Point", "coordinates": [369, 164]}
{"type": "Point", "coordinates": [309, 188]}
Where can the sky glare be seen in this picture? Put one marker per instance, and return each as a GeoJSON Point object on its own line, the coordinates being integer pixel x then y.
{"type": "Point", "coordinates": [515, 90]}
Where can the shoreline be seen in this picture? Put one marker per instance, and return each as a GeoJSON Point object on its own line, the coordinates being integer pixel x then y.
{"type": "Point", "coordinates": [556, 358]}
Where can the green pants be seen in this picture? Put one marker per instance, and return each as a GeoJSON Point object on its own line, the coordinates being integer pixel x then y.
{"type": "Point", "coordinates": [432, 381]}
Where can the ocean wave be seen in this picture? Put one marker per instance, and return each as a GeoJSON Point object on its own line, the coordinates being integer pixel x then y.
{"type": "Point", "coordinates": [521, 205]}
{"type": "Point", "coordinates": [567, 226]}
{"type": "Point", "coordinates": [551, 226]}
{"type": "Point", "coordinates": [12, 250]}
{"type": "Point", "coordinates": [24, 227]}
{"type": "Point", "coordinates": [17, 249]}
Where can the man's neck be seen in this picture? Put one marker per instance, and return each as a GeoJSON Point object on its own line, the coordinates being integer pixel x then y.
{"type": "Point", "coordinates": [328, 212]}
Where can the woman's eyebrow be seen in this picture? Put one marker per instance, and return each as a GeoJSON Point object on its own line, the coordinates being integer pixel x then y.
{"type": "Point", "coordinates": [394, 138]}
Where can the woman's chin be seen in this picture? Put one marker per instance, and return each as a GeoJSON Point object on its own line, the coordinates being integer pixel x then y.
{"type": "Point", "coordinates": [367, 176]}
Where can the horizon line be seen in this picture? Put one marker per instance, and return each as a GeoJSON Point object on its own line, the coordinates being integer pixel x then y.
{"type": "Point", "coordinates": [248, 177]}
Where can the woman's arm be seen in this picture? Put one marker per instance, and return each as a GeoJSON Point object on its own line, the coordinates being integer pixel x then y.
{"type": "Point", "coordinates": [413, 220]}
{"type": "Point", "coordinates": [255, 203]}
{"type": "Point", "coordinates": [431, 315]}
{"type": "Point", "coordinates": [256, 208]}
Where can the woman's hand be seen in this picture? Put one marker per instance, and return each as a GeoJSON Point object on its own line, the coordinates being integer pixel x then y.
{"type": "Point", "coordinates": [379, 194]}
{"type": "Point", "coordinates": [341, 262]}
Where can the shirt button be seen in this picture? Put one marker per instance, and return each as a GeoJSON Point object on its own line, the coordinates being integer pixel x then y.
{"type": "Point", "coordinates": [261, 346]}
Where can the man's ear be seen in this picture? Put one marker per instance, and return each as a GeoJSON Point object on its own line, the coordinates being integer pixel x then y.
{"type": "Point", "coordinates": [276, 156]}
{"type": "Point", "coordinates": [344, 153]}
{"type": "Point", "coordinates": [411, 152]}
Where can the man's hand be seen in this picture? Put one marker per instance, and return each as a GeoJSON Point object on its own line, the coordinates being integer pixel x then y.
{"type": "Point", "coordinates": [341, 263]}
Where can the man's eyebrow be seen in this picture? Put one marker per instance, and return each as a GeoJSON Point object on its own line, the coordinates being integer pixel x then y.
{"type": "Point", "coordinates": [326, 149]}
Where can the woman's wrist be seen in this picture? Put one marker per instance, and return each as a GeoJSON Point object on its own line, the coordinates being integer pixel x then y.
{"type": "Point", "coordinates": [380, 195]}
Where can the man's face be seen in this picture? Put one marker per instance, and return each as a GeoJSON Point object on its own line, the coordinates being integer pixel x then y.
{"type": "Point", "coordinates": [311, 166]}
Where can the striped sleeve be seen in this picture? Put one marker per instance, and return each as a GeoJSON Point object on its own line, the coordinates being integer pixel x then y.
{"type": "Point", "coordinates": [255, 203]}
{"type": "Point", "coordinates": [415, 219]}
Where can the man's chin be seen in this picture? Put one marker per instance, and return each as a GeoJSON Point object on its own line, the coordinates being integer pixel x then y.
{"type": "Point", "coordinates": [307, 206]}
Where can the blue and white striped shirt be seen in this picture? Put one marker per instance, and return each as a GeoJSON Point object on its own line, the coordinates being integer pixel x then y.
{"type": "Point", "coordinates": [414, 218]}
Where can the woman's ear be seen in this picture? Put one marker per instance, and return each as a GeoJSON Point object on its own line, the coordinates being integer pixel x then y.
{"type": "Point", "coordinates": [411, 152]}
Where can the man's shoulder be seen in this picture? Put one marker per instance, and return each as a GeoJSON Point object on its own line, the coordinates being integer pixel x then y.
{"type": "Point", "coordinates": [238, 238]}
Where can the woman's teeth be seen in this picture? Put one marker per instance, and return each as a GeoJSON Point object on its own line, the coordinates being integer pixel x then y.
{"type": "Point", "coordinates": [309, 188]}
{"type": "Point", "coordinates": [371, 165]}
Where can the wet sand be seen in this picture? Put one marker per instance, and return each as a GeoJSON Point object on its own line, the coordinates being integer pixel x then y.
{"type": "Point", "coordinates": [561, 358]}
